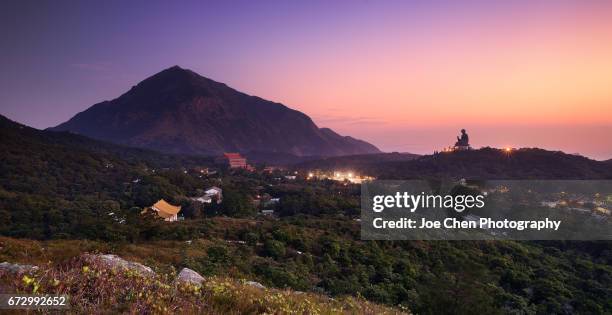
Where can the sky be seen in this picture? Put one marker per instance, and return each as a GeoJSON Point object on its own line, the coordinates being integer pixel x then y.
{"type": "Point", "coordinates": [403, 75]}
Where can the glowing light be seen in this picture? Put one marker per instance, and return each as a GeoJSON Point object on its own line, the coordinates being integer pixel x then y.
{"type": "Point", "coordinates": [508, 150]}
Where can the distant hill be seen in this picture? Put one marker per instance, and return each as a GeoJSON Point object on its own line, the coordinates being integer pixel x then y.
{"type": "Point", "coordinates": [179, 111]}
{"type": "Point", "coordinates": [54, 183]}
{"type": "Point", "coordinates": [356, 161]}
{"type": "Point", "coordinates": [21, 138]}
{"type": "Point", "coordinates": [277, 158]}
{"type": "Point", "coordinates": [486, 163]}
{"type": "Point", "coordinates": [51, 163]}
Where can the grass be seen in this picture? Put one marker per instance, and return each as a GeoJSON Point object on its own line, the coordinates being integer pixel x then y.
{"type": "Point", "coordinates": [92, 288]}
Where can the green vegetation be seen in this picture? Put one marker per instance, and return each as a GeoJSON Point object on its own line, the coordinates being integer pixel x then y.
{"type": "Point", "coordinates": [74, 198]}
{"type": "Point", "coordinates": [93, 288]}
{"type": "Point", "coordinates": [325, 256]}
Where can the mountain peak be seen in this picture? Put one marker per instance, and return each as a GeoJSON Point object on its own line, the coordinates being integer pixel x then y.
{"type": "Point", "coordinates": [178, 82]}
{"type": "Point", "coordinates": [179, 111]}
{"type": "Point", "coordinates": [175, 67]}
{"type": "Point", "coordinates": [176, 70]}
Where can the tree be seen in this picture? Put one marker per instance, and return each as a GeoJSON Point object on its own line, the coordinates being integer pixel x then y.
{"type": "Point", "coordinates": [274, 249]}
{"type": "Point", "coordinates": [236, 204]}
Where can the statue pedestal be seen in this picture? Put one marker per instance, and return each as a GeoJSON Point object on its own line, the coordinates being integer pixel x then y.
{"type": "Point", "coordinates": [462, 147]}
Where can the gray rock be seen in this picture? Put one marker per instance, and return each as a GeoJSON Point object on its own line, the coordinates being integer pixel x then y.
{"type": "Point", "coordinates": [116, 262]}
{"type": "Point", "coordinates": [255, 284]}
{"type": "Point", "coordinates": [17, 268]}
{"type": "Point", "coordinates": [189, 276]}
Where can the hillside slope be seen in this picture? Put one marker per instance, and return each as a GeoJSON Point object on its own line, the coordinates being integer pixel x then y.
{"type": "Point", "coordinates": [95, 287]}
{"type": "Point", "coordinates": [58, 184]}
{"type": "Point", "coordinates": [179, 111]}
{"type": "Point", "coordinates": [486, 163]}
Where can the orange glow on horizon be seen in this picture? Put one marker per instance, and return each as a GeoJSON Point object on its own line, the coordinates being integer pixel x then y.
{"type": "Point", "coordinates": [540, 68]}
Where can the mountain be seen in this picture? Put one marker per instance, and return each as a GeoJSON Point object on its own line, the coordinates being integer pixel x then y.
{"type": "Point", "coordinates": [179, 111]}
{"type": "Point", "coordinates": [486, 163]}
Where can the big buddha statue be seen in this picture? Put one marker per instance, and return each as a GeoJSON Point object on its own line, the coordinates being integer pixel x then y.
{"type": "Point", "coordinates": [463, 142]}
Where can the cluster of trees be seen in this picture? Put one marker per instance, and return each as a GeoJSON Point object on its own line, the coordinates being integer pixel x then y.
{"type": "Point", "coordinates": [318, 198]}
{"type": "Point", "coordinates": [326, 255]}
{"type": "Point", "coordinates": [317, 204]}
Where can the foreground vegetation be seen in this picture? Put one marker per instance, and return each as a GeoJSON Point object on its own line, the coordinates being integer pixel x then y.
{"type": "Point", "coordinates": [326, 257]}
{"type": "Point", "coordinates": [94, 288]}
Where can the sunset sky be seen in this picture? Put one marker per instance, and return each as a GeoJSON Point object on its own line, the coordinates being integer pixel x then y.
{"type": "Point", "coordinates": [403, 75]}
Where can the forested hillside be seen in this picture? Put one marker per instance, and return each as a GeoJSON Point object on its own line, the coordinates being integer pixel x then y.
{"type": "Point", "coordinates": [482, 164]}
{"type": "Point", "coordinates": [76, 195]}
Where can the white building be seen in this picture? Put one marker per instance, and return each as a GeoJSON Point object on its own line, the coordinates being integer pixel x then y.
{"type": "Point", "coordinates": [214, 192]}
{"type": "Point", "coordinates": [202, 199]}
{"type": "Point", "coordinates": [271, 202]}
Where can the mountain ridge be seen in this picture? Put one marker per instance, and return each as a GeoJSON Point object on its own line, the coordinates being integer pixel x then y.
{"type": "Point", "coordinates": [485, 163]}
{"type": "Point", "coordinates": [179, 111]}
{"type": "Point", "coordinates": [17, 134]}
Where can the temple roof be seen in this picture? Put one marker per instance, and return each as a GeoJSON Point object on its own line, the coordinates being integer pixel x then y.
{"type": "Point", "coordinates": [233, 155]}
{"type": "Point", "coordinates": [164, 207]}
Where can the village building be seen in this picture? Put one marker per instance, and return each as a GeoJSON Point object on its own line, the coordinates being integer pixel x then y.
{"type": "Point", "coordinates": [201, 170]}
{"type": "Point", "coordinates": [270, 169]}
{"type": "Point", "coordinates": [603, 210]}
{"type": "Point", "coordinates": [267, 212]}
{"type": "Point", "coordinates": [549, 204]}
{"type": "Point", "coordinates": [202, 199]}
{"type": "Point", "coordinates": [234, 160]}
{"type": "Point", "coordinates": [271, 202]}
{"type": "Point", "coordinates": [165, 210]}
{"type": "Point", "coordinates": [213, 193]}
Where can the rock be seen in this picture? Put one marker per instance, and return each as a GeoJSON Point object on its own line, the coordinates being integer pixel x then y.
{"type": "Point", "coordinates": [189, 276]}
{"type": "Point", "coordinates": [116, 262]}
{"type": "Point", "coordinates": [255, 284]}
{"type": "Point", "coordinates": [17, 268]}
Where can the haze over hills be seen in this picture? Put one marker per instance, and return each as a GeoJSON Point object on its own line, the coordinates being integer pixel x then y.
{"type": "Point", "coordinates": [179, 111]}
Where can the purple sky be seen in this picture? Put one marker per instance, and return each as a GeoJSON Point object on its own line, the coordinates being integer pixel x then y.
{"type": "Point", "coordinates": [404, 75]}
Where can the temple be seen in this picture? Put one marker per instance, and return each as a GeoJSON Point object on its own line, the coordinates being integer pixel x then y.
{"type": "Point", "coordinates": [463, 142]}
{"type": "Point", "coordinates": [165, 210]}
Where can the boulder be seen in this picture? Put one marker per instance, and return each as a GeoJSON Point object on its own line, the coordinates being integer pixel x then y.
{"type": "Point", "coordinates": [116, 262]}
{"type": "Point", "coordinates": [17, 268]}
{"type": "Point", "coordinates": [255, 284]}
{"type": "Point", "coordinates": [189, 276]}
